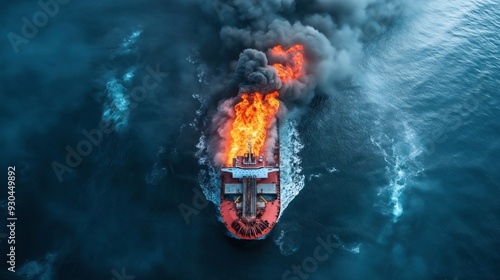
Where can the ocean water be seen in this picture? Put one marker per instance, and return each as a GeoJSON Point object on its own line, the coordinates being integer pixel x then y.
{"type": "Point", "coordinates": [394, 176]}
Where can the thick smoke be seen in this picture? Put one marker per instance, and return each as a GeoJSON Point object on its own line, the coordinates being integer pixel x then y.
{"type": "Point", "coordinates": [255, 74]}
{"type": "Point", "coordinates": [333, 34]}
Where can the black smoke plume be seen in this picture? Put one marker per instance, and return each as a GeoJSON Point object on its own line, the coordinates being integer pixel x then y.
{"type": "Point", "coordinates": [333, 34]}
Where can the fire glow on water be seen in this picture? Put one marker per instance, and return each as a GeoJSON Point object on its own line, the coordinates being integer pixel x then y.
{"type": "Point", "coordinates": [256, 112]}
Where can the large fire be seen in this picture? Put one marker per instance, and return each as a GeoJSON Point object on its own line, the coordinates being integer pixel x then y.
{"type": "Point", "coordinates": [256, 112]}
{"type": "Point", "coordinates": [253, 115]}
{"type": "Point", "coordinates": [294, 58]}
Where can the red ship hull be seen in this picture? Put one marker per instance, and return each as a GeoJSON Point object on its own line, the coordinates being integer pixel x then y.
{"type": "Point", "coordinates": [250, 195]}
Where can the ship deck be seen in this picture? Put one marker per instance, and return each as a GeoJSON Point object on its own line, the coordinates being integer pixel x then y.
{"type": "Point", "coordinates": [250, 196]}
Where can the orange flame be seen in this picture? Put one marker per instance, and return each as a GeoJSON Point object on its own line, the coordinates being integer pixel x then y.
{"type": "Point", "coordinates": [292, 69]}
{"type": "Point", "coordinates": [255, 112]}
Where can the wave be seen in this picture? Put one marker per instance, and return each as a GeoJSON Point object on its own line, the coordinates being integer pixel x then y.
{"type": "Point", "coordinates": [116, 107]}
{"type": "Point", "coordinates": [128, 44]}
{"type": "Point", "coordinates": [209, 175]}
{"type": "Point", "coordinates": [41, 270]}
{"type": "Point", "coordinates": [355, 249]}
{"type": "Point", "coordinates": [292, 180]}
{"type": "Point", "coordinates": [288, 238]}
{"type": "Point", "coordinates": [158, 171]}
{"type": "Point", "coordinates": [403, 165]}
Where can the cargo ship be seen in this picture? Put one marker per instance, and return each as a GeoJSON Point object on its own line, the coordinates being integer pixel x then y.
{"type": "Point", "coordinates": [250, 194]}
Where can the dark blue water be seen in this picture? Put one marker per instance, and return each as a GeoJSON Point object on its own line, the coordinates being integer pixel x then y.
{"type": "Point", "coordinates": [392, 173]}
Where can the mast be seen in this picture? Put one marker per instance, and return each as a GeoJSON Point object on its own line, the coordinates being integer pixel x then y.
{"type": "Point", "coordinates": [250, 159]}
{"type": "Point", "coordinates": [250, 151]}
